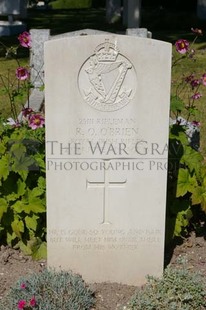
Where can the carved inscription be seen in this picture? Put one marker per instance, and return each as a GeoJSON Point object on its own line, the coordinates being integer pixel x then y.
{"type": "Point", "coordinates": [107, 80]}
{"type": "Point", "coordinates": [106, 239]}
{"type": "Point", "coordinates": [114, 130]}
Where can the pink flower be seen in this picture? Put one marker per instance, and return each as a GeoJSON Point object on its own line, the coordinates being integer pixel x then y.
{"type": "Point", "coordinates": [203, 79]}
{"type": "Point", "coordinates": [195, 123]}
{"type": "Point", "coordinates": [195, 83]}
{"type": "Point", "coordinates": [21, 304]}
{"type": "Point", "coordinates": [12, 122]}
{"type": "Point", "coordinates": [25, 39]}
{"type": "Point", "coordinates": [189, 78]}
{"type": "Point", "coordinates": [196, 96]}
{"type": "Point", "coordinates": [22, 73]}
{"type": "Point", "coordinates": [192, 53]}
{"type": "Point", "coordinates": [26, 111]}
{"type": "Point", "coordinates": [36, 121]}
{"type": "Point", "coordinates": [197, 31]}
{"type": "Point", "coordinates": [32, 302]}
{"type": "Point", "coordinates": [23, 286]}
{"type": "Point", "coordinates": [182, 46]}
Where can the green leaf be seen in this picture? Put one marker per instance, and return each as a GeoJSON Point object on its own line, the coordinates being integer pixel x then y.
{"type": "Point", "coordinates": [4, 167]}
{"type": "Point", "coordinates": [177, 132]}
{"type": "Point", "coordinates": [23, 174]}
{"type": "Point", "coordinates": [182, 221]}
{"type": "Point", "coordinates": [3, 207]}
{"type": "Point", "coordinates": [17, 150]}
{"type": "Point", "coordinates": [22, 164]}
{"type": "Point", "coordinates": [192, 159]}
{"type": "Point", "coordinates": [41, 182]}
{"type": "Point", "coordinates": [10, 237]}
{"type": "Point", "coordinates": [39, 251]}
{"type": "Point", "coordinates": [19, 206]}
{"type": "Point", "coordinates": [24, 248]}
{"type": "Point", "coordinates": [31, 222]}
{"type": "Point", "coordinates": [197, 195]}
{"type": "Point", "coordinates": [40, 162]}
{"type": "Point", "coordinates": [203, 202]}
{"type": "Point", "coordinates": [12, 197]}
{"type": "Point", "coordinates": [176, 104]}
{"type": "Point", "coordinates": [185, 182]}
{"type": "Point", "coordinates": [18, 227]}
{"type": "Point", "coordinates": [35, 192]}
{"type": "Point", "coordinates": [2, 148]}
{"type": "Point", "coordinates": [21, 188]}
{"type": "Point", "coordinates": [36, 205]}
{"type": "Point", "coordinates": [21, 160]}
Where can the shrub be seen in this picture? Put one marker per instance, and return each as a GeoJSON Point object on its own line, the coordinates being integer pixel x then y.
{"type": "Point", "coordinates": [22, 165]}
{"type": "Point", "coordinates": [22, 188]}
{"type": "Point", "coordinates": [186, 190]}
{"type": "Point", "coordinates": [49, 290]}
{"type": "Point", "coordinates": [178, 289]}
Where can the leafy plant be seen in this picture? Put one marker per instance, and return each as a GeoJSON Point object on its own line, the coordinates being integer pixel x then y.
{"type": "Point", "coordinates": [22, 189]}
{"type": "Point", "coordinates": [187, 168]}
{"type": "Point", "coordinates": [22, 167]}
{"type": "Point", "coordinates": [178, 289]}
{"type": "Point", "coordinates": [16, 85]}
{"type": "Point", "coordinates": [50, 290]}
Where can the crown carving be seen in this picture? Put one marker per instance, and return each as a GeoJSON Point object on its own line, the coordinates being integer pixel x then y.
{"type": "Point", "coordinates": [106, 52]}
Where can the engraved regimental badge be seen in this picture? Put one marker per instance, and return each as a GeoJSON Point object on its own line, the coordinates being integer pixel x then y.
{"type": "Point", "coordinates": [107, 79]}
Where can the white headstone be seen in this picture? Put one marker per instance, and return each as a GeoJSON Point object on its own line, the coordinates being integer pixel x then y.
{"type": "Point", "coordinates": [107, 119]}
{"type": "Point", "coordinates": [10, 8]}
{"type": "Point", "coordinates": [139, 32]}
{"type": "Point", "coordinates": [13, 7]}
{"type": "Point", "coordinates": [38, 38]}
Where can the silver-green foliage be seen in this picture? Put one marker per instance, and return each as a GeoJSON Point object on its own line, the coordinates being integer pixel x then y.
{"type": "Point", "coordinates": [179, 289]}
{"type": "Point", "coordinates": [52, 290]}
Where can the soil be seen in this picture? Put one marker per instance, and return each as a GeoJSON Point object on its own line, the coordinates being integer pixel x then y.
{"type": "Point", "coordinates": [109, 296]}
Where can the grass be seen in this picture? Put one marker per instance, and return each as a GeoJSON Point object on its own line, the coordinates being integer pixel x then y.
{"type": "Point", "coordinates": [70, 4]}
{"type": "Point", "coordinates": [7, 78]}
{"type": "Point", "coordinates": [197, 66]}
{"type": "Point", "coordinates": [167, 25]}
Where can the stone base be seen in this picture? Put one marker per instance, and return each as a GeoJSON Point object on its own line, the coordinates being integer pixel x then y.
{"type": "Point", "coordinates": [139, 32]}
{"type": "Point", "coordinates": [8, 29]}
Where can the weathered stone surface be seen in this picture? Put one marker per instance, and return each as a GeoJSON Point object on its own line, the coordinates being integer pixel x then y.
{"type": "Point", "coordinates": [8, 29]}
{"type": "Point", "coordinates": [107, 118]}
{"type": "Point", "coordinates": [139, 32]}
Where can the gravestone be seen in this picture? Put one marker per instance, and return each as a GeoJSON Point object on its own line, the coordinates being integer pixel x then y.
{"type": "Point", "coordinates": [36, 98]}
{"type": "Point", "coordinates": [201, 9]}
{"type": "Point", "coordinates": [139, 32]}
{"type": "Point", "coordinates": [107, 117]}
{"type": "Point", "coordinates": [38, 38]}
{"type": "Point", "coordinates": [12, 8]}
{"type": "Point", "coordinates": [113, 11]}
{"type": "Point", "coordinates": [132, 13]}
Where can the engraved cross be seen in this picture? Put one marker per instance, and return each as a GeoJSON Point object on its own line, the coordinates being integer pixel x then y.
{"type": "Point", "coordinates": [106, 184]}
